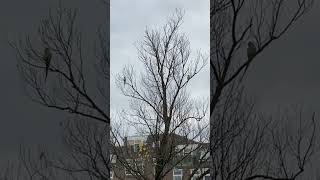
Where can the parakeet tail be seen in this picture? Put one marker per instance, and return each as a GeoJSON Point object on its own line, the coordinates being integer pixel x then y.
{"type": "Point", "coordinates": [47, 68]}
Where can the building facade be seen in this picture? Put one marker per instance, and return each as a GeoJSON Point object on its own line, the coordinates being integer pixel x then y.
{"type": "Point", "coordinates": [137, 157]}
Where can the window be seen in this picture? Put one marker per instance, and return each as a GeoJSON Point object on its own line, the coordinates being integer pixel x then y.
{"type": "Point", "coordinates": [136, 148]}
{"type": "Point", "coordinates": [177, 174]}
{"type": "Point", "coordinates": [179, 150]}
{"type": "Point", "coordinates": [198, 173]}
{"type": "Point", "coordinates": [136, 142]}
{"type": "Point", "coordinates": [111, 174]}
{"type": "Point", "coordinates": [113, 158]}
{"type": "Point", "coordinates": [187, 151]}
{"type": "Point", "coordinates": [204, 154]}
{"type": "Point", "coordinates": [154, 144]}
{"type": "Point", "coordinates": [193, 149]}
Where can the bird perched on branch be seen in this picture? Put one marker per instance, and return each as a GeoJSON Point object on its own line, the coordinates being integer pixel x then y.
{"type": "Point", "coordinates": [124, 80]}
{"type": "Point", "coordinates": [47, 59]}
{"type": "Point", "coordinates": [41, 155]}
{"type": "Point", "coordinates": [251, 52]}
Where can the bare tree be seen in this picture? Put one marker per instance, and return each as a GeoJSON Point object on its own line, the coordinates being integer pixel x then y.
{"type": "Point", "coordinates": [85, 156]}
{"type": "Point", "coordinates": [77, 85]}
{"type": "Point", "coordinates": [234, 25]}
{"type": "Point", "coordinates": [246, 145]}
{"type": "Point", "coordinates": [87, 152]}
{"type": "Point", "coordinates": [69, 68]}
{"type": "Point", "coordinates": [160, 105]}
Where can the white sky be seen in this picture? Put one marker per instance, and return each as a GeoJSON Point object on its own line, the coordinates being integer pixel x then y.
{"type": "Point", "coordinates": [129, 19]}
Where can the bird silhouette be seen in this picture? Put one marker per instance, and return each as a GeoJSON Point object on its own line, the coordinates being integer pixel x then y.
{"type": "Point", "coordinates": [41, 155]}
{"type": "Point", "coordinates": [124, 80]}
{"type": "Point", "coordinates": [189, 77]}
{"type": "Point", "coordinates": [47, 59]}
{"type": "Point", "coordinates": [251, 52]}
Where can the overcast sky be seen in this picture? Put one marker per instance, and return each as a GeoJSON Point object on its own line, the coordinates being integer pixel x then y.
{"type": "Point", "coordinates": [128, 22]}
